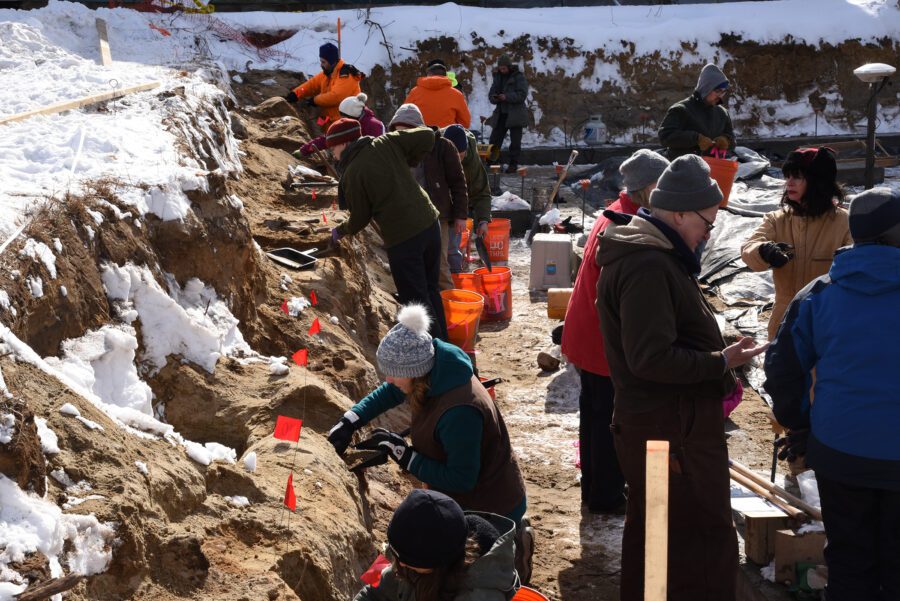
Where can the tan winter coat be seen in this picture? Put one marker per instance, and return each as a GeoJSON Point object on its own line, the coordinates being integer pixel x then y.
{"type": "Point", "coordinates": [814, 241]}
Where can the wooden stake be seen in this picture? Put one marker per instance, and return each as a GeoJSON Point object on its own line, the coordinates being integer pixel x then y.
{"type": "Point", "coordinates": [68, 105]}
{"type": "Point", "coordinates": [755, 488]}
{"type": "Point", "coordinates": [47, 589]}
{"type": "Point", "coordinates": [776, 490]}
{"type": "Point", "coordinates": [105, 56]}
{"type": "Point", "coordinates": [656, 529]}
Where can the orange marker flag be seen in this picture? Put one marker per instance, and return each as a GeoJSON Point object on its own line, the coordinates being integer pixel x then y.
{"type": "Point", "coordinates": [313, 299]}
{"type": "Point", "coordinates": [287, 428]}
{"type": "Point", "coordinates": [315, 328]}
{"type": "Point", "coordinates": [290, 499]}
{"type": "Point", "coordinates": [284, 307]}
{"type": "Point", "coordinates": [314, 194]}
{"type": "Point", "coordinates": [324, 218]}
{"type": "Point", "coordinates": [301, 357]}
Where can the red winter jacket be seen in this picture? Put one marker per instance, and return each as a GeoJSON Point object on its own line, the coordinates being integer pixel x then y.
{"type": "Point", "coordinates": [368, 123]}
{"type": "Point", "coordinates": [582, 342]}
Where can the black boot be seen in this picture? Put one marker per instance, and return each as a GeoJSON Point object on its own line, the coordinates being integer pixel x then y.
{"type": "Point", "coordinates": [512, 168]}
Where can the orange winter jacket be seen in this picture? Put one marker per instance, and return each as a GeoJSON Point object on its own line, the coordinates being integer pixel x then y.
{"type": "Point", "coordinates": [441, 104]}
{"type": "Point", "coordinates": [329, 90]}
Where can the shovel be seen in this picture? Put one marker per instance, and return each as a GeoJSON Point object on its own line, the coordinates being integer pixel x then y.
{"type": "Point", "coordinates": [536, 220]}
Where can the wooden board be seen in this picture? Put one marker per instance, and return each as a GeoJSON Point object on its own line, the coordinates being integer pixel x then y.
{"type": "Point", "coordinates": [759, 534]}
{"type": "Point", "coordinates": [68, 105]}
{"type": "Point", "coordinates": [105, 56]}
{"type": "Point", "coordinates": [656, 539]}
{"type": "Point", "coordinates": [791, 548]}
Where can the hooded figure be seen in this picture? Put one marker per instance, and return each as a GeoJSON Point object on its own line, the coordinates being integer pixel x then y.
{"type": "Point", "coordinates": [699, 124]}
{"type": "Point", "coordinates": [508, 93]}
{"type": "Point", "coordinates": [441, 104]}
{"type": "Point", "coordinates": [836, 343]}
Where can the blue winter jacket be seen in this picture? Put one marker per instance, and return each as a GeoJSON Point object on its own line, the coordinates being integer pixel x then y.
{"type": "Point", "coordinates": [846, 325]}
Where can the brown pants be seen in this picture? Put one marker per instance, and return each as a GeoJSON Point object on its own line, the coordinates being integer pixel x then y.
{"type": "Point", "coordinates": [445, 282]}
{"type": "Point", "coordinates": [703, 553]}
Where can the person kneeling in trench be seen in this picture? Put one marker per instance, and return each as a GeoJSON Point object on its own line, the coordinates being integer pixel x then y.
{"type": "Point", "coordinates": [460, 445]}
{"type": "Point", "coordinates": [437, 552]}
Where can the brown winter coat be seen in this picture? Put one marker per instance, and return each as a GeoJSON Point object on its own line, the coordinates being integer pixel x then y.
{"type": "Point", "coordinates": [665, 356]}
{"type": "Point", "coordinates": [814, 241]}
{"type": "Point", "coordinates": [445, 181]}
{"type": "Point", "coordinates": [660, 335]}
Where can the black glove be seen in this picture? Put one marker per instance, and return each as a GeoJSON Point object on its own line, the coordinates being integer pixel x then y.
{"type": "Point", "coordinates": [776, 254]}
{"type": "Point", "coordinates": [793, 444]}
{"type": "Point", "coordinates": [291, 97]}
{"type": "Point", "coordinates": [340, 435]}
{"type": "Point", "coordinates": [395, 445]}
{"type": "Point", "coordinates": [310, 101]}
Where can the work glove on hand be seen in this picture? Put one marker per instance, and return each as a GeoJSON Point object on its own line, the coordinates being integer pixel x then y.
{"type": "Point", "coordinates": [310, 101]}
{"type": "Point", "coordinates": [340, 435]}
{"type": "Point", "coordinates": [482, 229]}
{"type": "Point", "coordinates": [704, 143]}
{"type": "Point", "coordinates": [722, 143]}
{"type": "Point", "coordinates": [291, 97]}
{"type": "Point", "coordinates": [308, 149]}
{"type": "Point", "coordinates": [792, 445]}
{"type": "Point", "coordinates": [396, 446]}
{"type": "Point", "coordinates": [776, 254]}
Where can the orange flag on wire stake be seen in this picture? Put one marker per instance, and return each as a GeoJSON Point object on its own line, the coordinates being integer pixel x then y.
{"type": "Point", "coordinates": [287, 428]}
{"type": "Point", "coordinates": [324, 218]}
{"type": "Point", "coordinates": [372, 576]}
{"type": "Point", "coordinates": [290, 499]}
{"type": "Point", "coordinates": [315, 328]}
{"type": "Point", "coordinates": [313, 299]}
{"type": "Point", "coordinates": [301, 357]}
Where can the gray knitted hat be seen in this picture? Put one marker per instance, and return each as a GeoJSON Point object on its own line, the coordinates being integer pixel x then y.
{"type": "Point", "coordinates": [875, 217]}
{"type": "Point", "coordinates": [711, 77]}
{"type": "Point", "coordinates": [406, 351]}
{"type": "Point", "coordinates": [685, 185]}
{"type": "Point", "coordinates": [407, 114]}
{"type": "Point", "coordinates": [642, 169]}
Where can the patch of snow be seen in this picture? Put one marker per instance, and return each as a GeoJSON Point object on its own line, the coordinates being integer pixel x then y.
{"type": "Point", "coordinates": [35, 285]}
{"type": "Point", "coordinates": [238, 501]}
{"type": "Point", "coordinates": [39, 251]}
{"type": "Point", "coordinates": [278, 366]}
{"type": "Point", "coordinates": [70, 409]}
{"type": "Point", "coordinates": [89, 423]}
{"type": "Point", "coordinates": [204, 454]}
{"type": "Point", "coordinates": [97, 216]}
{"type": "Point", "coordinates": [142, 467]}
{"type": "Point", "coordinates": [7, 427]}
{"type": "Point", "coordinates": [57, 245]}
{"type": "Point", "coordinates": [296, 304]}
{"type": "Point", "coordinates": [250, 461]}
{"type": "Point", "coordinates": [90, 232]}
{"type": "Point", "coordinates": [4, 300]}
{"type": "Point", "coordinates": [64, 291]}
{"type": "Point", "coordinates": [49, 439]}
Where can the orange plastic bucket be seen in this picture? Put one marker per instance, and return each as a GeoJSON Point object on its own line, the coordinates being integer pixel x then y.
{"type": "Point", "coordinates": [462, 310]}
{"type": "Point", "coordinates": [528, 594]}
{"type": "Point", "coordinates": [490, 390]}
{"type": "Point", "coordinates": [466, 281]}
{"type": "Point", "coordinates": [496, 286]}
{"type": "Point", "coordinates": [724, 172]}
{"type": "Point", "coordinates": [497, 240]}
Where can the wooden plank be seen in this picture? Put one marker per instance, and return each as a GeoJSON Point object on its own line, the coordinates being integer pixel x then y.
{"type": "Point", "coordinates": [105, 56]}
{"type": "Point", "coordinates": [656, 536]}
{"type": "Point", "coordinates": [791, 548]}
{"type": "Point", "coordinates": [47, 589]}
{"type": "Point", "coordinates": [759, 534]}
{"type": "Point", "coordinates": [68, 105]}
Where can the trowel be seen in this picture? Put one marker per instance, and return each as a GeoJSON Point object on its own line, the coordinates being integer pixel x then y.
{"type": "Point", "coordinates": [481, 247]}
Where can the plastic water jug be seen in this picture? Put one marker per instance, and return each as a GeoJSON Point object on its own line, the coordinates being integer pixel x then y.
{"type": "Point", "coordinates": [595, 130]}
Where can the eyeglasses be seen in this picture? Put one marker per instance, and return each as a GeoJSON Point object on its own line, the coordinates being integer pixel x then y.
{"type": "Point", "coordinates": [709, 224]}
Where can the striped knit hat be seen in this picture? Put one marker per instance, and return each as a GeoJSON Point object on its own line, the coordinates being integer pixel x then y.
{"type": "Point", "coordinates": [342, 131]}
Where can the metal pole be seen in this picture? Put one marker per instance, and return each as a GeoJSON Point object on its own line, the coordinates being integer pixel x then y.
{"type": "Point", "coordinates": [870, 138]}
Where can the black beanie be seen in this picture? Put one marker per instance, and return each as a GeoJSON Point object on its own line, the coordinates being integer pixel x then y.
{"type": "Point", "coordinates": [436, 64]}
{"type": "Point", "coordinates": [330, 53]}
{"type": "Point", "coordinates": [428, 530]}
{"type": "Point", "coordinates": [457, 134]}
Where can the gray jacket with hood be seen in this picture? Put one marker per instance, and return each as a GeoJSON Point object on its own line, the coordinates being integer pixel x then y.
{"type": "Point", "coordinates": [491, 577]}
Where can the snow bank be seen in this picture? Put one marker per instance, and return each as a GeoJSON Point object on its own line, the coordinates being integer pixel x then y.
{"type": "Point", "coordinates": [40, 252]}
{"type": "Point", "coordinates": [29, 524]}
{"type": "Point", "coordinates": [49, 440]}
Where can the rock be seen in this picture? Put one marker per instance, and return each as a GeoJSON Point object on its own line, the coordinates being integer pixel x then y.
{"type": "Point", "coordinates": [238, 128]}
{"type": "Point", "coordinates": [272, 108]}
{"type": "Point", "coordinates": [547, 362]}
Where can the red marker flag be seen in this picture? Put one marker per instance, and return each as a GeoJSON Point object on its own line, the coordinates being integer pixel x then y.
{"type": "Point", "coordinates": [301, 357]}
{"type": "Point", "coordinates": [324, 218]}
{"type": "Point", "coordinates": [315, 328]}
{"type": "Point", "coordinates": [284, 307]}
{"type": "Point", "coordinates": [287, 428]}
{"type": "Point", "coordinates": [314, 194]}
{"type": "Point", "coordinates": [290, 499]}
{"type": "Point", "coordinates": [372, 576]}
{"type": "Point", "coordinates": [313, 299]}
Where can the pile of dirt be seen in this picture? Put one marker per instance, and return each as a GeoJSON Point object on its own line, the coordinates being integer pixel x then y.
{"type": "Point", "coordinates": [179, 531]}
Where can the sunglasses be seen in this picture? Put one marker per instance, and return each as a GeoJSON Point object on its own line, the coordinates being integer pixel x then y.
{"type": "Point", "coordinates": [709, 224]}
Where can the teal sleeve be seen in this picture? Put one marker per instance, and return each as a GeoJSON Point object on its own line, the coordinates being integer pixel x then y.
{"type": "Point", "coordinates": [385, 397]}
{"type": "Point", "coordinates": [459, 432]}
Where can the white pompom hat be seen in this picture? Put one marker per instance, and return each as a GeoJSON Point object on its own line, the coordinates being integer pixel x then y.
{"type": "Point", "coordinates": [353, 106]}
{"type": "Point", "coordinates": [406, 351]}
